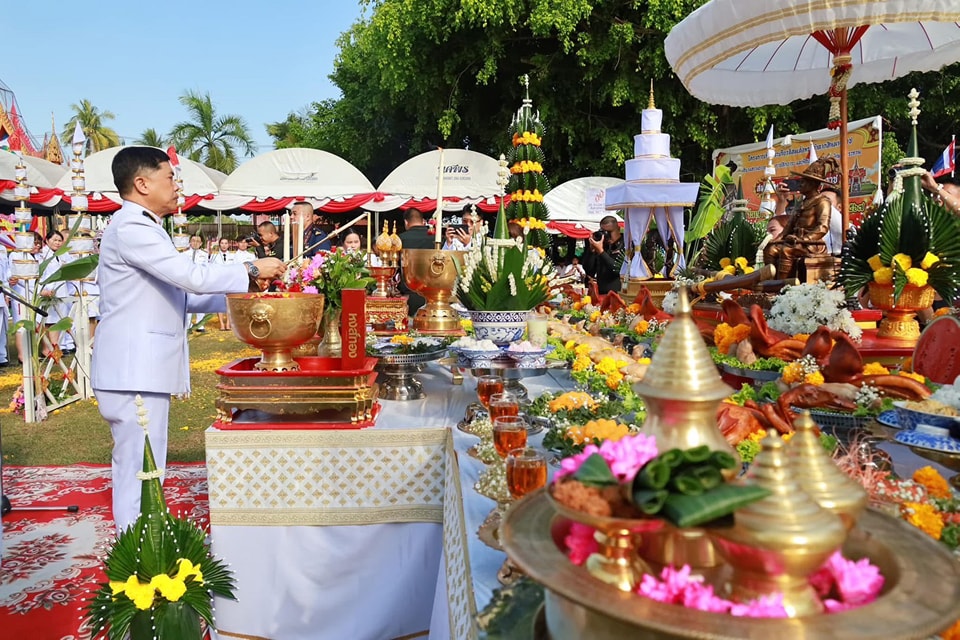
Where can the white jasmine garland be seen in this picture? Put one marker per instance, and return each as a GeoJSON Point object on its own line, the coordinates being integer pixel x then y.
{"type": "Point", "coordinates": [513, 284]}
{"type": "Point", "coordinates": [803, 308]}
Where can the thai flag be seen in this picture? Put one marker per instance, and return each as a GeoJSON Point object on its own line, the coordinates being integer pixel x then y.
{"type": "Point", "coordinates": [946, 163]}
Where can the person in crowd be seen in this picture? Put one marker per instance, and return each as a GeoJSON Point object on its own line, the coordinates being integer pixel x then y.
{"type": "Point", "coordinates": [574, 271]}
{"type": "Point", "coordinates": [606, 255]}
{"type": "Point", "coordinates": [834, 238]}
{"type": "Point", "coordinates": [198, 255]}
{"type": "Point", "coordinates": [265, 244]}
{"type": "Point", "coordinates": [515, 230]}
{"type": "Point", "coordinates": [141, 357]}
{"type": "Point", "coordinates": [946, 190]}
{"type": "Point", "coordinates": [314, 237]}
{"type": "Point", "coordinates": [4, 307]}
{"type": "Point", "coordinates": [415, 236]}
{"type": "Point", "coordinates": [56, 308]}
{"type": "Point", "coordinates": [805, 231]}
{"type": "Point", "coordinates": [243, 253]}
{"type": "Point", "coordinates": [196, 252]}
{"type": "Point", "coordinates": [459, 238]}
{"type": "Point", "coordinates": [775, 227]}
{"type": "Point", "coordinates": [350, 240]}
{"type": "Point", "coordinates": [223, 254]}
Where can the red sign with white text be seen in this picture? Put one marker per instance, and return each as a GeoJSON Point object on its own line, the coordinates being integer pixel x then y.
{"type": "Point", "coordinates": [353, 328]}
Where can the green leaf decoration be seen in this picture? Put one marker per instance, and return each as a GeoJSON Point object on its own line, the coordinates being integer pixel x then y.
{"type": "Point", "coordinates": [686, 483]}
{"type": "Point", "coordinates": [709, 477]}
{"type": "Point", "coordinates": [512, 612]}
{"type": "Point", "coordinates": [696, 510]}
{"type": "Point", "coordinates": [76, 270]}
{"type": "Point", "coordinates": [722, 460]}
{"type": "Point", "coordinates": [696, 455]}
{"type": "Point", "coordinates": [654, 475]}
{"type": "Point", "coordinates": [650, 501]}
{"type": "Point", "coordinates": [673, 458]}
{"type": "Point", "coordinates": [595, 472]}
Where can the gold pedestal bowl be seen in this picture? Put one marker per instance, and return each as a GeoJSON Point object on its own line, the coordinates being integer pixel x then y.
{"type": "Point", "coordinates": [899, 314]}
{"type": "Point", "coordinates": [384, 278]}
{"type": "Point", "coordinates": [920, 597]}
{"type": "Point", "coordinates": [432, 273]}
{"type": "Point", "coordinates": [275, 323]}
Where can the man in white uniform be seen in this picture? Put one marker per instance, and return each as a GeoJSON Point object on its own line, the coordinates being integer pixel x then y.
{"type": "Point", "coordinates": [146, 290]}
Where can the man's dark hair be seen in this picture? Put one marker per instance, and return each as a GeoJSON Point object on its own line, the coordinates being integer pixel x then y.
{"type": "Point", "coordinates": [131, 162]}
{"type": "Point", "coordinates": [411, 216]}
{"type": "Point", "coordinates": [609, 220]}
{"type": "Point", "coordinates": [267, 226]}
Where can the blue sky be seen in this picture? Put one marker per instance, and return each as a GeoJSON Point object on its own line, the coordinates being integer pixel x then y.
{"type": "Point", "coordinates": [259, 60]}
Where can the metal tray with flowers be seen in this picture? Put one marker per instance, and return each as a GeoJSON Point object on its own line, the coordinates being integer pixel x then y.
{"type": "Point", "coordinates": [419, 350]}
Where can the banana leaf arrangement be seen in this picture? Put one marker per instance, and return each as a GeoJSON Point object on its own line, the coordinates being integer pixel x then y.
{"type": "Point", "coordinates": [160, 573]}
{"type": "Point", "coordinates": [685, 487]}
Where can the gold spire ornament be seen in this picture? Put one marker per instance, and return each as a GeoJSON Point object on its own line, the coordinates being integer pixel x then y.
{"type": "Point", "coordinates": [651, 104]}
{"type": "Point", "coordinates": [820, 478]}
{"type": "Point", "coordinates": [682, 389]}
{"type": "Point", "coordinates": [776, 543]}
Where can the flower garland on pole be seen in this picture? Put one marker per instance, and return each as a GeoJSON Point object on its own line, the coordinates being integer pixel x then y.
{"type": "Point", "coordinates": [528, 184]}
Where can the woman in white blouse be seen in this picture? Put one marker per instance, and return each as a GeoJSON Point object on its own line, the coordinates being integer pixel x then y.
{"type": "Point", "coordinates": [223, 256]}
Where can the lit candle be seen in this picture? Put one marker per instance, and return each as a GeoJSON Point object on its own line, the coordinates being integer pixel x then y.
{"type": "Point", "coordinates": [439, 214]}
{"type": "Point", "coordinates": [368, 234]}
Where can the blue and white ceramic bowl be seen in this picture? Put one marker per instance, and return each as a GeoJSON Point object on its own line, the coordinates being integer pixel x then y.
{"type": "Point", "coordinates": [911, 419]}
{"type": "Point", "coordinates": [929, 438]}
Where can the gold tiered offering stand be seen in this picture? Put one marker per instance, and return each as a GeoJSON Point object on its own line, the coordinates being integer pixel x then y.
{"type": "Point", "coordinates": [278, 390]}
{"type": "Point", "coordinates": [386, 309]}
{"type": "Point", "coordinates": [432, 273]}
{"type": "Point", "coordinates": [772, 546]}
{"type": "Point", "coordinates": [921, 594]}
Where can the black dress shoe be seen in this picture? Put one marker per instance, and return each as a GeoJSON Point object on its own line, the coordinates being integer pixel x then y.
{"type": "Point", "coordinates": [67, 352]}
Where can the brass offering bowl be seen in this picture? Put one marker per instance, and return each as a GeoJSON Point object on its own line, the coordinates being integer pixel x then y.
{"type": "Point", "coordinates": [616, 561]}
{"type": "Point", "coordinates": [384, 278]}
{"type": "Point", "coordinates": [658, 288]}
{"type": "Point", "coordinates": [432, 273]}
{"type": "Point", "coordinates": [921, 594]}
{"type": "Point", "coordinates": [275, 323]}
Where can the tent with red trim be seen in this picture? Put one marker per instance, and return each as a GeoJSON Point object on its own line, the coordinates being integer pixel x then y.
{"type": "Point", "coordinates": [468, 178]}
{"type": "Point", "coordinates": [40, 178]}
{"type": "Point", "coordinates": [577, 206]}
{"type": "Point", "coordinates": [275, 180]}
{"type": "Point", "coordinates": [102, 194]}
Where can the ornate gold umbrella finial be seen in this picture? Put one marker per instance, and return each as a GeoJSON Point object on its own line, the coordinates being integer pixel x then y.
{"type": "Point", "coordinates": [652, 104]}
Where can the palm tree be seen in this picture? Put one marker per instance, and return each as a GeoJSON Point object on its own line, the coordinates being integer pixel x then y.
{"type": "Point", "coordinates": [91, 119]}
{"type": "Point", "coordinates": [151, 138]}
{"type": "Point", "coordinates": [209, 138]}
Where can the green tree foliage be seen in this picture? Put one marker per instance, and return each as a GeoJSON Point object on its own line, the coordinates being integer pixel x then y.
{"type": "Point", "coordinates": [91, 119]}
{"type": "Point", "coordinates": [151, 138]}
{"type": "Point", "coordinates": [439, 72]}
{"type": "Point", "coordinates": [209, 138]}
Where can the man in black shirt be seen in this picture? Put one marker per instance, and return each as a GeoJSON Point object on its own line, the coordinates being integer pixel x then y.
{"type": "Point", "coordinates": [603, 261]}
{"type": "Point", "coordinates": [416, 236]}
{"type": "Point", "coordinates": [265, 246]}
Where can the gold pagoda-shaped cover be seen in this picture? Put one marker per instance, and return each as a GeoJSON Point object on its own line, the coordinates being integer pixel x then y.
{"type": "Point", "coordinates": [383, 240]}
{"type": "Point", "coordinates": [777, 542]}
{"type": "Point", "coordinates": [820, 477]}
{"type": "Point", "coordinates": [682, 389]}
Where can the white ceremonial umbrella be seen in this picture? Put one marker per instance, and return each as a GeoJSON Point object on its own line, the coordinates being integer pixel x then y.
{"type": "Point", "coordinates": [750, 53]}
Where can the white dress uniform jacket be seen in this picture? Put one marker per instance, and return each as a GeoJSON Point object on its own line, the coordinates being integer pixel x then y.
{"type": "Point", "coordinates": [146, 290]}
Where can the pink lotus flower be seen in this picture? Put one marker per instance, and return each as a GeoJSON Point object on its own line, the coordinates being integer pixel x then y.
{"type": "Point", "coordinates": [625, 456]}
{"type": "Point", "coordinates": [580, 543]}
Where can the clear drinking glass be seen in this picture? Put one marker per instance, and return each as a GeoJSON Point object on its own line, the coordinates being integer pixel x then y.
{"type": "Point", "coordinates": [526, 471]}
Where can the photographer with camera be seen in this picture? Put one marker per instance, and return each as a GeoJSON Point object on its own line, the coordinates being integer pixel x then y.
{"type": "Point", "coordinates": [603, 261]}
{"type": "Point", "coordinates": [264, 241]}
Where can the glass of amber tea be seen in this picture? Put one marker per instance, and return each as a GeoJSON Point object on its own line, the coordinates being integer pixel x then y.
{"type": "Point", "coordinates": [503, 404]}
{"type": "Point", "coordinates": [526, 471]}
{"type": "Point", "coordinates": [509, 433]}
{"type": "Point", "coordinates": [486, 387]}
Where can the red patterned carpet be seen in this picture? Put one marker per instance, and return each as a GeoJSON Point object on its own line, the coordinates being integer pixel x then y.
{"type": "Point", "coordinates": [51, 558]}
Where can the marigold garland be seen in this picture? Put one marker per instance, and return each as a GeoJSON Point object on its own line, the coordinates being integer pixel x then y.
{"type": "Point", "coordinates": [725, 336]}
{"type": "Point", "coordinates": [935, 484]}
{"type": "Point", "coordinates": [924, 517]}
{"type": "Point", "coordinates": [526, 138]}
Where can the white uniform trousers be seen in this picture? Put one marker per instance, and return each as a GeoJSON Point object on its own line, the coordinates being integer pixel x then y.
{"type": "Point", "coordinates": [118, 408]}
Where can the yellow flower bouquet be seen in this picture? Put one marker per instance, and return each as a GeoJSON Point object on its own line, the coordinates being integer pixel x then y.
{"type": "Point", "coordinates": [160, 575]}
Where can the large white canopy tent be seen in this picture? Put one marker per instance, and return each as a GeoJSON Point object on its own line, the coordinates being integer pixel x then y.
{"type": "Point", "coordinates": [577, 206]}
{"type": "Point", "coordinates": [41, 177]}
{"type": "Point", "coordinates": [277, 179]}
{"type": "Point", "coordinates": [469, 178]}
{"type": "Point", "coordinates": [102, 192]}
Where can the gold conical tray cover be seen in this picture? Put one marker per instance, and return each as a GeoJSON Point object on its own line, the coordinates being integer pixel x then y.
{"type": "Point", "coordinates": [681, 367]}
{"type": "Point", "coordinates": [820, 477]}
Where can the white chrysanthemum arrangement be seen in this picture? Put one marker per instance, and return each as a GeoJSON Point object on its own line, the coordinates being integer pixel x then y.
{"type": "Point", "coordinates": [803, 308]}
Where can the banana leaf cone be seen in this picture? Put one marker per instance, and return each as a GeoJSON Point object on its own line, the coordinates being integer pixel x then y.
{"type": "Point", "coordinates": [152, 523]}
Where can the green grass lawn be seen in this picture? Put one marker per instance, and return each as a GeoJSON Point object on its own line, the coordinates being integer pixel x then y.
{"type": "Point", "coordinates": [77, 433]}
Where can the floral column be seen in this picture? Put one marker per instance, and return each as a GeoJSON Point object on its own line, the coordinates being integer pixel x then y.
{"type": "Point", "coordinates": [527, 183]}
